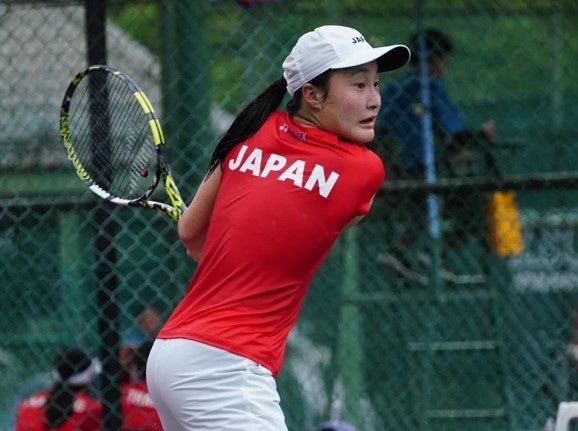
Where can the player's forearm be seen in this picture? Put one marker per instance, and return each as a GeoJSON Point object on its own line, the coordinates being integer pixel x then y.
{"type": "Point", "coordinates": [194, 223]}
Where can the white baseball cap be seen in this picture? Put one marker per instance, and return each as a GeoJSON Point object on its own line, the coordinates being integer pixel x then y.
{"type": "Point", "coordinates": [336, 47]}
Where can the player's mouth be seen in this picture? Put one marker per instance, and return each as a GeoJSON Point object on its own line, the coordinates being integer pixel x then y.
{"type": "Point", "coordinates": [368, 122]}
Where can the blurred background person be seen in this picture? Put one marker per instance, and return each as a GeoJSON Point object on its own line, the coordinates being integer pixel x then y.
{"type": "Point", "coordinates": [402, 110]}
{"type": "Point", "coordinates": [458, 151]}
{"type": "Point", "coordinates": [146, 325]}
{"type": "Point", "coordinates": [137, 407]}
{"type": "Point", "coordinates": [67, 405]}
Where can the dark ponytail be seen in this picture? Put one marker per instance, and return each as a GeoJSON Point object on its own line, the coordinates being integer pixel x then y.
{"type": "Point", "coordinates": [249, 121]}
{"type": "Point", "coordinates": [60, 405]}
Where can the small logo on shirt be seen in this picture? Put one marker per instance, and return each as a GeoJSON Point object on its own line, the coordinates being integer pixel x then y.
{"type": "Point", "coordinates": [302, 136]}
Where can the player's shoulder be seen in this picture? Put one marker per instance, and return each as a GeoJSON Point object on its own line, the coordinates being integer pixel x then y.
{"type": "Point", "coordinates": [363, 164]}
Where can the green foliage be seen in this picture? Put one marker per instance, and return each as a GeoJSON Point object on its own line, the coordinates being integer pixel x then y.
{"type": "Point", "coordinates": [248, 45]}
{"type": "Point", "coordinates": [140, 20]}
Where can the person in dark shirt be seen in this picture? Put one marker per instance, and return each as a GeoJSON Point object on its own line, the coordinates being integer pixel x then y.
{"type": "Point", "coordinates": [457, 147]}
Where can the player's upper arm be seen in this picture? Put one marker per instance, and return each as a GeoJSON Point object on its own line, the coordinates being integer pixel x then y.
{"type": "Point", "coordinates": [194, 222]}
{"type": "Point", "coordinates": [354, 221]}
{"type": "Point", "coordinates": [358, 218]}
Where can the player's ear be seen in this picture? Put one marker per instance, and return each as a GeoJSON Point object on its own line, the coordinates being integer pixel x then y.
{"type": "Point", "coordinates": [313, 96]}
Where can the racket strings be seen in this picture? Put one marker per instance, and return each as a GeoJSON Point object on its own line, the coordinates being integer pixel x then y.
{"type": "Point", "coordinates": [112, 138]}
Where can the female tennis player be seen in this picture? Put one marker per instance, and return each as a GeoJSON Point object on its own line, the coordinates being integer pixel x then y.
{"type": "Point", "coordinates": [281, 188]}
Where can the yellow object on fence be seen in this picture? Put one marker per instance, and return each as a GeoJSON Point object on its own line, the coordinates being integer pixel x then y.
{"type": "Point", "coordinates": [504, 224]}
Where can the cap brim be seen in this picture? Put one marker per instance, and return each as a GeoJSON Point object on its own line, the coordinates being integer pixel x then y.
{"type": "Point", "coordinates": [388, 58]}
{"type": "Point", "coordinates": [393, 58]}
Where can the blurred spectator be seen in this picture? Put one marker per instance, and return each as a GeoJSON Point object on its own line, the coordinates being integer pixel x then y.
{"type": "Point", "coordinates": [148, 323]}
{"type": "Point", "coordinates": [137, 407]}
{"type": "Point", "coordinates": [336, 426]}
{"type": "Point", "coordinates": [458, 148]}
{"type": "Point", "coordinates": [402, 112]}
{"type": "Point", "coordinates": [66, 406]}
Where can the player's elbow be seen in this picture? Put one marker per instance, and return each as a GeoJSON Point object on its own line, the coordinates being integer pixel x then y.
{"type": "Point", "coordinates": [194, 249]}
{"type": "Point", "coordinates": [192, 239]}
{"type": "Point", "coordinates": [195, 254]}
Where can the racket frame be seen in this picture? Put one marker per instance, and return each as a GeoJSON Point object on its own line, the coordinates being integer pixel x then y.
{"type": "Point", "coordinates": [163, 172]}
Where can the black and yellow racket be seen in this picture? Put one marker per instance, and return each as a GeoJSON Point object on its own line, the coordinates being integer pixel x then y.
{"type": "Point", "coordinates": [115, 142]}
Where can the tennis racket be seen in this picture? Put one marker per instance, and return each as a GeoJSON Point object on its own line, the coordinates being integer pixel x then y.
{"type": "Point", "coordinates": [115, 142]}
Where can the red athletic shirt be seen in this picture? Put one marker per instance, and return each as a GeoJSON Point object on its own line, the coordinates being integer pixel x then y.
{"type": "Point", "coordinates": [137, 408]}
{"type": "Point", "coordinates": [285, 196]}
{"type": "Point", "coordinates": [86, 416]}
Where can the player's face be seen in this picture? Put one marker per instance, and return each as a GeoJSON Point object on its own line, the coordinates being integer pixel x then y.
{"type": "Point", "coordinates": [352, 102]}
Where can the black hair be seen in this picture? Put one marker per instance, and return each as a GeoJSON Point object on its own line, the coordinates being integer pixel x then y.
{"type": "Point", "coordinates": [436, 43]}
{"type": "Point", "coordinates": [249, 120]}
{"type": "Point", "coordinates": [321, 81]}
{"type": "Point", "coordinates": [60, 402]}
{"type": "Point", "coordinates": [254, 115]}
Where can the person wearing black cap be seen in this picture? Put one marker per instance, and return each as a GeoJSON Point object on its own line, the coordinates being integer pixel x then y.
{"type": "Point", "coordinates": [67, 405]}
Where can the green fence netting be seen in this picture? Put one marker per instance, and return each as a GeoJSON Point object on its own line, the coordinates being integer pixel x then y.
{"type": "Point", "coordinates": [442, 334]}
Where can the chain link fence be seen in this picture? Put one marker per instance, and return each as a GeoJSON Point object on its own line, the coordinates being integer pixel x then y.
{"type": "Point", "coordinates": [448, 333]}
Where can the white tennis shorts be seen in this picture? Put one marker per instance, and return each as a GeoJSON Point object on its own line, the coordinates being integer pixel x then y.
{"type": "Point", "coordinates": [197, 387]}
